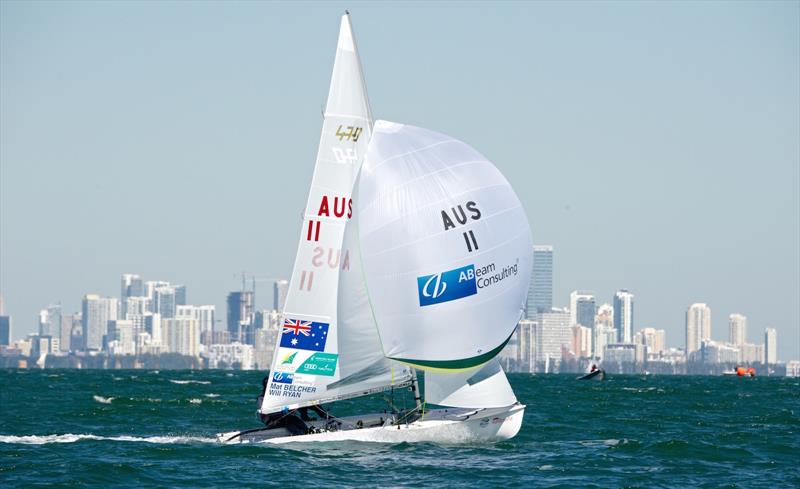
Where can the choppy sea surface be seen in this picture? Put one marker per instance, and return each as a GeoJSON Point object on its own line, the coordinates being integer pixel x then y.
{"type": "Point", "coordinates": [137, 427]}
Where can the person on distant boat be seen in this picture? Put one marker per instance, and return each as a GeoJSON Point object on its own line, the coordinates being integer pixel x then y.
{"type": "Point", "coordinates": [594, 368]}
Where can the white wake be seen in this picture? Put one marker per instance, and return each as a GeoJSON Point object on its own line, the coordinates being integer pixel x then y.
{"type": "Point", "coordinates": [190, 381]}
{"type": "Point", "coordinates": [71, 438]}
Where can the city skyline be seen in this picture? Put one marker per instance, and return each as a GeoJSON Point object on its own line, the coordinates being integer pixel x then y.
{"type": "Point", "coordinates": [590, 326]}
{"type": "Point", "coordinates": [214, 169]}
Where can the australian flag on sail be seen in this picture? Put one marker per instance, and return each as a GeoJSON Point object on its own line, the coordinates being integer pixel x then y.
{"type": "Point", "coordinates": [304, 335]}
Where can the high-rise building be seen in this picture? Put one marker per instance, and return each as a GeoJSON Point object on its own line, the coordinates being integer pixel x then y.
{"type": "Point", "coordinates": [623, 316]}
{"type": "Point", "coordinates": [582, 308]}
{"type": "Point", "coordinates": [65, 331]}
{"type": "Point", "coordinates": [770, 346]}
{"type": "Point", "coordinates": [180, 295]}
{"type": "Point", "coordinates": [50, 320]}
{"type": "Point", "coordinates": [240, 314]}
{"type": "Point", "coordinates": [164, 302]}
{"type": "Point", "coordinates": [737, 329]}
{"type": "Point", "coordinates": [137, 306]}
{"type": "Point", "coordinates": [540, 292]}
{"type": "Point", "coordinates": [76, 339]}
{"type": "Point", "coordinates": [97, 311]}
{"type": "Point", "coordinates": [280, 290]}
{"type": "Point", "coordinates": [152, 326]}
{"type": "Point", "coordinates": [121, 336]}
{"type": "Point", "coordinates": [131, 286]}
{"type": "Point", "coordinates": [5, 330]}
{"type": "Point", "coordinates": [714, 352]}
{"type": "Point", "coordinates": [698, 326]}
{"type": "Point", "coordinates": [150, 291]}
{"type": "Point", "coordinates": [519, 353]}
{"type": "Point", "coordinates": [749, 353]}
{"type": "Point", "coordinates": [604, 334]}
{"type": "Point", "coordinates": [581, 341]}
{"type": "Point", "coordinates": [203, 314]}
{"type": "Point", "coordinates": [182, 336]}
{"type": "Point", "coordinates": [233, 355]}
{"type": "Point", "coordinates": [653, 339]}
{"type": "Point", "coordinates": [552, 333]}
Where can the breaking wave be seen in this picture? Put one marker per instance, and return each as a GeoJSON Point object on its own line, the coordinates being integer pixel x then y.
{"type": "Point", "coordinates": [190, 381]}
{"type": "Point", "coordinates": [103, 400]}
{"type": "Point", "coordinates": [71, 438]}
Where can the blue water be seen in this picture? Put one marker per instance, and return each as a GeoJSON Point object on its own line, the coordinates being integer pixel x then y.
{"type": "Point", "coordinates": [133, 428]}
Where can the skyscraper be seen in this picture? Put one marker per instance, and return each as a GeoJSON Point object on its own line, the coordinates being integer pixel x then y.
{"type": "Point", "coordinates": [280, 291]}
{"type": "Point", "coordinates": [203, 314]}
{"type": "Point", "coordinates": [5, 330]}
{"type": "Point", "coordinates": [65, 331]}
{"type": "Point", "coordinates": [240, 313]}
{"type": "Point", "coordinates": [770, 346]}
{"type": "Point", "coordinates": [653, 339]}
{"type": "Point", "coordinates": [50, 321]}
{"type": "Point", "coordinates": [181, 335]}
{"type": "Point", "coordinates": [97, 311]}
{"type": "Point", "coordinates": [698, 326]}
{"type": "Point", "coordinates": [132, 286]}
{"type": "Point", "coordinates": [540, 292]}
{"type": "Point", "coordinates": [623, 315]}
{"type": "Point", "coordinates": [737, 329]}
{"type": "Point", "coordinates": [582, 308]}
{"type": "Point", "coordinates": [552, 332]}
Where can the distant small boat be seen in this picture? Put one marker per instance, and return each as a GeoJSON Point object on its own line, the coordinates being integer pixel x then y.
{"type": "Point", "coordinates": [598, 374]}
{"type": "Point", "coordinates": [741, 372]}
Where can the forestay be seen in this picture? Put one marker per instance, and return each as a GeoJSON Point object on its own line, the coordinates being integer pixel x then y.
{"type": "Point", "coordinates": [445, 247]}
{"type": "Point", "coordinates": [307, 364]}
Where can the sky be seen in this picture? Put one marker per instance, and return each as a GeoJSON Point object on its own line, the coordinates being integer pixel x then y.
{"type": "Point", "coordinates": [655, 145]}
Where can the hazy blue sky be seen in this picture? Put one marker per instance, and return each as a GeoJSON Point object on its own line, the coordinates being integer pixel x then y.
{"type": "Point", "coordinates": [655, 145]}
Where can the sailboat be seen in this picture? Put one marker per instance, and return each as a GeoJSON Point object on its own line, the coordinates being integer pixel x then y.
{"type": "Point", "coordinates": [414, 255]}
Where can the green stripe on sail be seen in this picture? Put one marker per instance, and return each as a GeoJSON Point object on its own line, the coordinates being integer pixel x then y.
{"type": "Point", "coordinates": [461, 364]}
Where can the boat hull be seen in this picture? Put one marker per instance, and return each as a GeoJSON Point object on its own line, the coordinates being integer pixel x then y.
{"type": "Point", "coordinates": [596, 375]}
{"type": "Point", "coordinates": [448, 426]}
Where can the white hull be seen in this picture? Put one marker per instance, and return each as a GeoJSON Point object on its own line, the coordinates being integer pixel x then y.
{"type": "Point", "coordinates": [436, 426]}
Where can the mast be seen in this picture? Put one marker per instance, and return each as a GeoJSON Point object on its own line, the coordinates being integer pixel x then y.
{"type": "Point", "coordinates": [314, 348]}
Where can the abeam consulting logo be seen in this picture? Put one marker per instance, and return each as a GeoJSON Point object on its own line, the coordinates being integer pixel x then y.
{"type": "Point", "coordinates": [282, 378]}
{"type": "Point", "coordinates": [447, 286]}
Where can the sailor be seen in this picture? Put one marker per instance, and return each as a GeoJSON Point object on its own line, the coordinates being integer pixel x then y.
{"type": "Point", "coordinates": [594, 368]}
{"type": "Point", "coordinates": [321, 413]}
{"type": "Point", "coordinates": [264, 382]}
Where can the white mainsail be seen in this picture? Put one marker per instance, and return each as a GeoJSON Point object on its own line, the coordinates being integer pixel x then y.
{"type": "Point", "coordinates": [445, 248]}
{"type": "Point", "coordinates": [309, 360]}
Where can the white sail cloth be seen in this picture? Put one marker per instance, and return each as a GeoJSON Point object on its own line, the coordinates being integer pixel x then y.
{"type": "Point", "coordinates": [309, 362]}
{"type": "Point", "coordinates": [484, 387]}
{"type": "Point", "coordinates": [445, 248]}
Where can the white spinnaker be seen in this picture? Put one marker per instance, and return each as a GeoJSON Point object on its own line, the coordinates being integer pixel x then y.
{"type": "Point", "coordinates": [483, 387]}
{"type": "Point", "coordinates": [306, 365]}
{"type": "Point", "coordinates": [446, 248]}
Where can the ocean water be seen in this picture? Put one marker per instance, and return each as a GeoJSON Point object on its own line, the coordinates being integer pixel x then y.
{"type": "Point", "coordinates": [134, 427]}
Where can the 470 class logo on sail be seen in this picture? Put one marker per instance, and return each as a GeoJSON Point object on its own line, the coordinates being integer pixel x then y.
{"type": "Point", "coordinates": [460, 282]}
